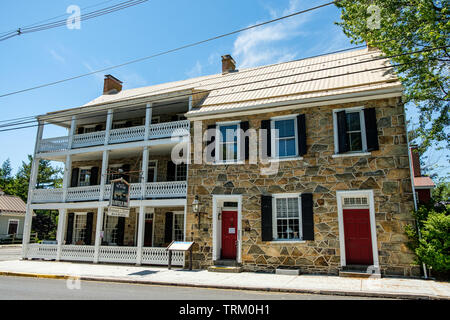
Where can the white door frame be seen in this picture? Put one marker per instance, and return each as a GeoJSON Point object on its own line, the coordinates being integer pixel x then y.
{"type": "Point", "coordinates": [216, 226]}
{"type": "Point", "coordinates": [373, 229]}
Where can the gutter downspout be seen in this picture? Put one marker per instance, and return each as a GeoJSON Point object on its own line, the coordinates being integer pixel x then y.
{"type": "Point", "coordinates": [411, 173]}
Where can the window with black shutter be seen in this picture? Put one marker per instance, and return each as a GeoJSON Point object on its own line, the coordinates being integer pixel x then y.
{"type": "Point", "coordinates": [211, 143]}
{"type": "Point", "coordinates": [245, 140]}
{"type": "Point", "coordinates": [89, 223]}
{"type": "Point", "coordinates": [168, 227]}
{"type": "Point", "coordinates": [94, 176]}
{"type": "Point", "coordinates": [170, 174]}
{"type": "Point", "coordinates": [266, 218]}
{"type": "Point", "coordinates": [301, 129]}
{"type": "Point", "coordinates": [74, 179]}
{"type": "Point", "coordinates": [370, 120]}
{"type": "Point", "coordinates": [120, 231]}
{"type": "Point", "coordinates": [307, 216]}
{"type": "Point", "coordinates": [266, 142]}
{"type": "Point", "coordinates": [69, 232]}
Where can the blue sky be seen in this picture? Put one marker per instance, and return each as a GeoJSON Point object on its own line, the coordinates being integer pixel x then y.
{"type": "Point", "coordinates": [139, 31]}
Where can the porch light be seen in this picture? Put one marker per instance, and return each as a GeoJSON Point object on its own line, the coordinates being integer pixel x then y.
{"type": "Point", "coordinates": [195, 205]}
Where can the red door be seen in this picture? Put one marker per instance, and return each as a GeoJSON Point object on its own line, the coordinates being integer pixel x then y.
{"type": "Point", "coordinates": [148, 233]}
{"type": "Point", "coordinates": [358, 242]}
{"type": "Point", "coordinates": [229, 234]}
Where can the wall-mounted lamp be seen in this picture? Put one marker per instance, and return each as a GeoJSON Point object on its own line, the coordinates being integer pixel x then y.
{"type": "Point", "coordinates": [196, 209]}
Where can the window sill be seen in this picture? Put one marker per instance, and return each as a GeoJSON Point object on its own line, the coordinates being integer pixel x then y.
{"type": "Point", "coordinates": [285, 159]}
{"type": "Point", "coordinates": [286, 241]}
{"type": "Point", "coordinates": [356, 154]}
{"type": "Point", "coordinates": [227, 163]}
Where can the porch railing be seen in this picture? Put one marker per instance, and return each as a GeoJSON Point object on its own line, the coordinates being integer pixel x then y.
{"type": "Point", "coordinates": [150, 255]}
{"type": "Point", "coordinates": [168, 189]}
{"type": "Point", "coordinates": [156, 131]}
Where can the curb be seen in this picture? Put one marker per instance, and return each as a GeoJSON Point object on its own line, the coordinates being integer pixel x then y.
{"type": "Point", "coordinates": [388, 295]}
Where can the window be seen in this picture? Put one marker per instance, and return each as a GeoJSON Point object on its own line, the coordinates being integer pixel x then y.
{"type": "Point", "coordinates": [354, 130]}
{"type": "Point", "coordinates": [88, 129]}
{"type": "Point", "coordinates": [352, 202]}
{"type": "Point", "coordinates": [286, 220]}
{"type": "Point", "coordinates": [84, 177]}
{"type": "Point", "coordinates": [152, 171]}
{"type": "Point", "coordinates": [119, 124]}
{"type": "Point", "coordinates": [284, 141]}
{"type": "Point", "coordinates": [228, 142]}
{"type": "Point", "coordinates": [79, 228]}
{"type": "Point", "coordinates": [111, 227]}
{"type": "Point", "coordinates": [180, 172]}
{"type": "Point", "coordinates": [178, 227]}
{"type": "Point", "coordinates": [13, 226]}
{"type": "Point", "coordinates": [156, 119]}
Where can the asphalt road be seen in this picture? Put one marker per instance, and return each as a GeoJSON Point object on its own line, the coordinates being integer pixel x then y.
{"type": "Point", "coordinates": [10, 253]}
{"type": "Point", "coordinates": [21, 288]}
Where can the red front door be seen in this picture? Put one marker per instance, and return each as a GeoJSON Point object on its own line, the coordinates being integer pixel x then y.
{"type": "Point", "coordinates": [229, 234]}
{"type": "Point", "coordinates": [358, 242]}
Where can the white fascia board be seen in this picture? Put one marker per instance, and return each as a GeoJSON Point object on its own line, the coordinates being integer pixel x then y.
{"type": "Point", "coordinates": [397, 91]}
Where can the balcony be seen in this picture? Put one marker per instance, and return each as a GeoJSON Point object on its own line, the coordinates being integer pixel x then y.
{"type": "Point", "coordinates": [162, 190]}
{"type": "Point", "coordinates": [131, 134]}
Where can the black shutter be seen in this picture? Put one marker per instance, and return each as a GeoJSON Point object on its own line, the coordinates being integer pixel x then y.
{"type": "Point", "coordinates": [120, 230]}
{"type": "Point", "coordinates": [301, 132]}
{"type": "Point", "coordinates": [266, 145]}
{"type": "Point", "coordinates": [93, 180]}
{"type": "Point", "coordinates": [342, 132]}
{"type": "Point", "coordinates": [126, 172]}
{"type": "Point", "coordinates": [74, 180]}
{"type": "Point", "coordinates": [69, 233]}
{"type": "Point", "coordinates": [245, 153]}
{"type": "Point", "coordinates": [170, 171]}
{"type": "Point", "coordinates": [211, 139]}
{"type": "Point", "coordinates": [370, 120]}
{"type": "Point", "coordinates": [98, 127]}
{"type": "Point", "coordinates": [88, 234]}
{"type": "Point", "coordinates": [266, 218]}
{"type": "Point", "coordinates": [80, 130]}
{"type": "Point", "coordinates": [168, 227]}
{"type": "Point", "coordinates": [128, 124]}
{"type": "Point", "coordinates": [174, 118]}
{"type": "Point", "coordinates": [307, 216]}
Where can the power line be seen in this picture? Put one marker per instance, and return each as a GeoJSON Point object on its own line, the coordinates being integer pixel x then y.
{"type": "Point", "coordinates": [174, 50]}
{"type": "Point", "coordinates": [83, 17]}
{"type": "Point", "coordinates": [328, 77]}
{"type": "Point", "coordinates": [243, 84]}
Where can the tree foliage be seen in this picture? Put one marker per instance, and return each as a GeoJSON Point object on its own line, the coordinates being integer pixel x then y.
{"type": "Point", "coordinates": [407, 26]}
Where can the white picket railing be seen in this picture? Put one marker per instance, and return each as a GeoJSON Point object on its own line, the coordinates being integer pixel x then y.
{"type": "Point", "coordinates": [41, 251]}
{"type": "Point", "coordinates": [168, 189]}
{"type": "Point", "coordinates": [71, 252]}
{"type": "Point", "coordinates": [160, 256]}
{"type": "Point", "coordinates": [156, 131]}
{"type": "Point", "coordinates": [150, 255]}
{"type": "Point", "coordinates": [117, 254]}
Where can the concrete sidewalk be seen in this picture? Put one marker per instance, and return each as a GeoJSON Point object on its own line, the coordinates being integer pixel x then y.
{"type": "Point", "coordinates": [331, 285]}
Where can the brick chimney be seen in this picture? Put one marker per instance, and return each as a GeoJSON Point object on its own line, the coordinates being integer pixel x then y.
{"type": "Point", "coordinates": [415, 158]}
{"type": "Point", "coordinates": [228, 64]}
{"type": "Point", "coordinates": [111, 85]}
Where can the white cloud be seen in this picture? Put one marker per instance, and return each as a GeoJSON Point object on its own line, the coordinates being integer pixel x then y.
{"type": "Point", "coordinates": [57, 56]}
{"type": "Point", "coordinates": [195, 71]}
{"type": "Point", "coordinates": [264, 45]}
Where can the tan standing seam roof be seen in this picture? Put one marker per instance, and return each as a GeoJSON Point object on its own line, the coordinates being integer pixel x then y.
{"type": "Point", "coordinates": [12, 204]}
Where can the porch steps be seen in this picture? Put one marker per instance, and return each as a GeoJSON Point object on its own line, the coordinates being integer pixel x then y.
{"type": "Point", "coordinates": [225, 265]}
{"type": "Point", "coordinates": [359, 271]}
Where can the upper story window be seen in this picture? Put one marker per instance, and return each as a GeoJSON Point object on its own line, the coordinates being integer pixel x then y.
{"type": "Point", "coordinates": [228, 142]}
{"type": "Point", "coordinates": [119, 125]}
{"type": "Point", "coordinates": [355, 130]}
{"type": "Point", "coordinates": [285, 140]}
{"type": "Point", "coordinates": [84, 178]}
{"type": "Point", "coordinates": [181, 172]}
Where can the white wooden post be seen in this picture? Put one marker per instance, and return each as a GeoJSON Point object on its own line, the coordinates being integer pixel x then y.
{"type": "Point", "coordinates": [109, 119]}
{"type": "Point", "coordinates": [98, 230]}
{"type": "Point", "coordinates": [190, 102]}
{"type": "Point", "coordinates": [148, 120]}
{"type": "Point", "coordinates": [144, 170]}
{"type": "Point", "coordinates": [60, 232]}
{"type": "Point", "coordinates": [67, 176]}
{"type": "Point", "coordinates": [104, 176]}
{"type": "Point", "coordinates": [32, 185]}
{"type": "Point", "coordinates": [73, 126]}
{"type": "Point", "coordinates": [140, 237]}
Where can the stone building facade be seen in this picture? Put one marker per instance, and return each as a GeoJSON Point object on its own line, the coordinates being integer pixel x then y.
{"type": "Point", "coordinates": [321, 173]}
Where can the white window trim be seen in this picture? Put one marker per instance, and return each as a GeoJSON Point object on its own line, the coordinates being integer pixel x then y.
{"type": "Point", "coordinates": [274, 145]}
{"type": "Point", "coordinates": [373, 231]}
{"type": "Point", "coordinates": [173, 223]}
{"type": "Point", "coordinates": [364, 151]}
{"type": "Point", "coordinates": [239, 160]}
{"type": "Point", "coordinates": [176, 171]}
{"type": "Point", "coordinates": [274, 217]}
{"type": "Point", "coordinates": [75, 222]}
{"type": "Point", "coordinates": [79, 175]}
{"type": "Point", "coordinates": [152, 164]}
{"type": "Point", "coordinates": [9, 222]}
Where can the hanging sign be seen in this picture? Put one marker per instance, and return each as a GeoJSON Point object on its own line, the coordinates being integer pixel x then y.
{"type": "Point", "coordinates": [119, 200]}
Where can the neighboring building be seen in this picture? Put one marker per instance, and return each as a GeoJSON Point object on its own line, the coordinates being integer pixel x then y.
{"type": "Point", "coordinates": [339, 198]}
{"type": "Point", "coordinates": [423, 185]}
{"type": "Point", "coordinates": [12, 216]}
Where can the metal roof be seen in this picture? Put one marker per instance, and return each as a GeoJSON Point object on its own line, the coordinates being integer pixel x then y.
{"type": "Point", "coordinates": [12, 204]}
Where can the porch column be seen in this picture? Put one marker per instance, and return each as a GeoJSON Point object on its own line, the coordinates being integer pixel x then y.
{"type": "Point", "coordinates": [109, 119]}
{"type": "Point", "coordinates": [140, 237]}
{"type": "Point", "coordinates": [60, 232]}
{"type": "Point", "coordinates": [32, 186]}
{"type": "Point", "coordinates": [148, 120]}
{"type": "Point", "coordinates": [103, 177]}
{"type": "Point", "coordinates": [98, 230]}
{"type": "Point", "coordinates": [144, 171]}
{"type": "Point", "coordinates": [73, 126]}
{"type": "Point", "coordinates": [67, 176]}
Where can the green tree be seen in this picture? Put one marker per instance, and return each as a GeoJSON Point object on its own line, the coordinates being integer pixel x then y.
{"type": "Point", "coordinates": [6, 178]}
{"type": "Point", "coordinates": [399, 27]}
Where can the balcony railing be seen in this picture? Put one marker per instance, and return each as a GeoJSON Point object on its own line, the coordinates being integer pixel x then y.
{"type": "Point", "coordinates": [162, 190]}
{"type": "Point", "coordinates": [156, 131]}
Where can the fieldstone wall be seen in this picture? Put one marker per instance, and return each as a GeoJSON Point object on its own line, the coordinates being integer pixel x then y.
{"type": "Point", "coordinates": [386, 172]}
